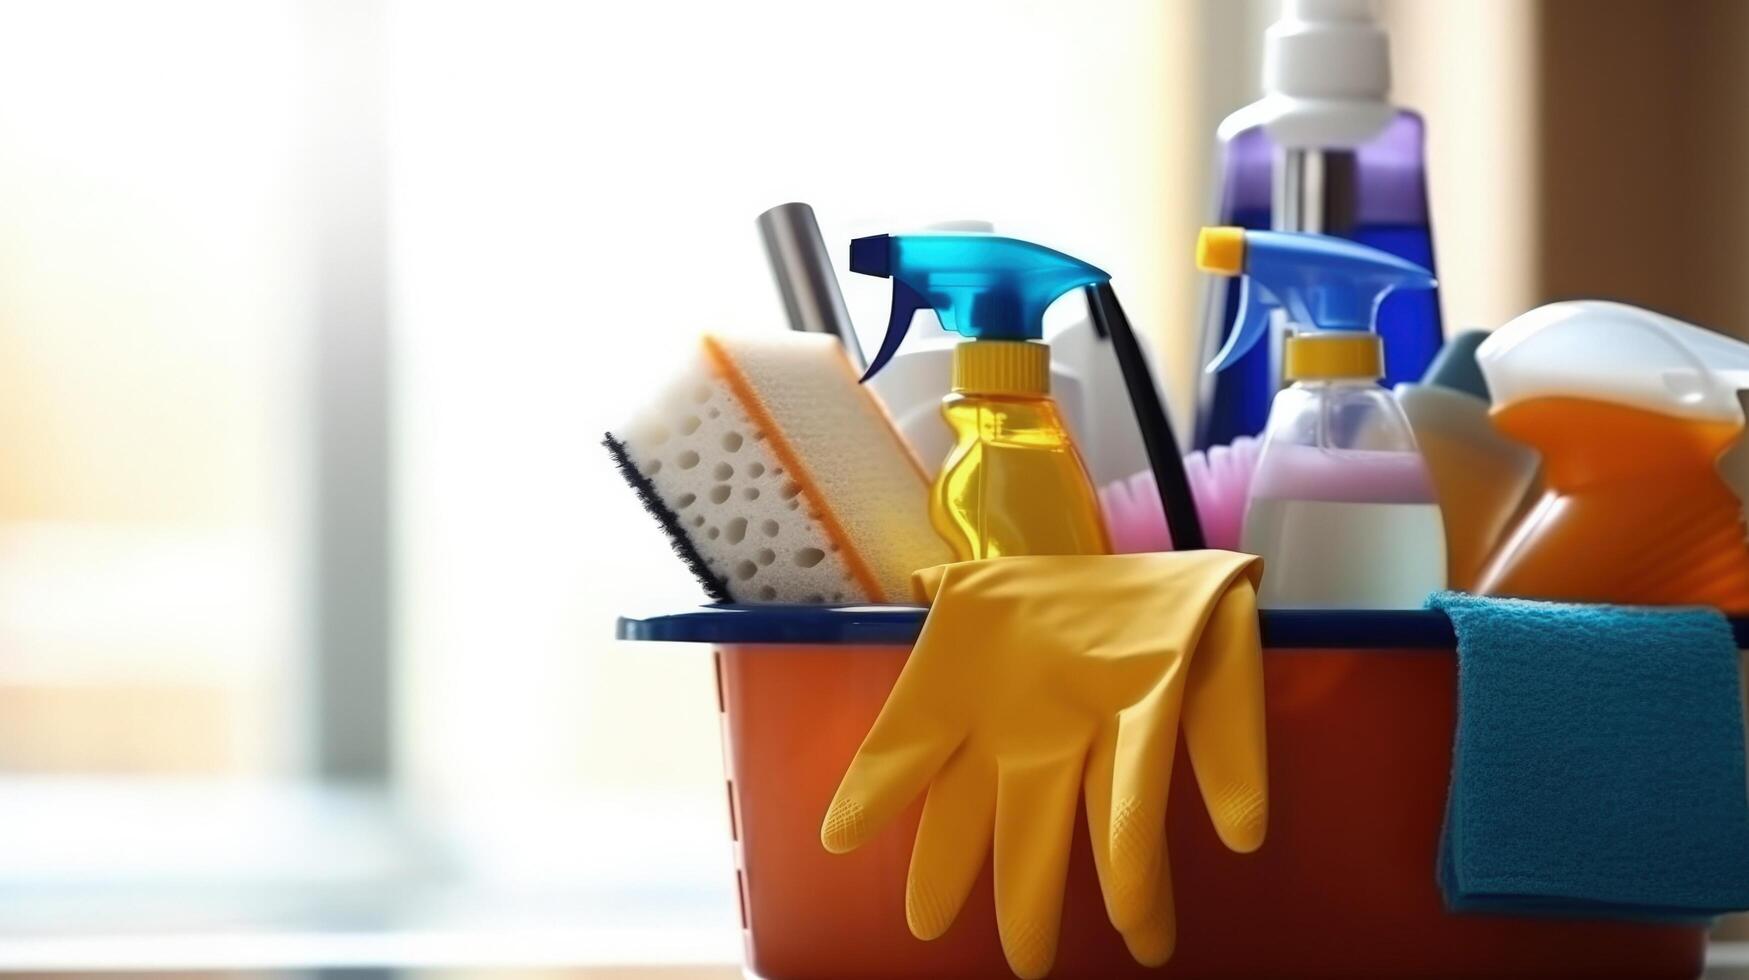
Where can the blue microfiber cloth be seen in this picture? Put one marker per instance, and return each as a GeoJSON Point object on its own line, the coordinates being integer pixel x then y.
{"type": "Point", "coordinates": [1598, 770]}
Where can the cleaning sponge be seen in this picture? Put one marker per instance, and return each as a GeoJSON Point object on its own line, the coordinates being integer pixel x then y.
{"type": "Point", "coordinates": [778, 476]}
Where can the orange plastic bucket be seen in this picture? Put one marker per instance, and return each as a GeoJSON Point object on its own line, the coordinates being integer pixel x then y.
{"type": "Point", "coordinates": [1359, 756]}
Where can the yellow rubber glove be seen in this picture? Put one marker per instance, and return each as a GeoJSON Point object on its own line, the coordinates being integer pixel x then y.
{"type": "Point", "coordinates": [1038, 679]}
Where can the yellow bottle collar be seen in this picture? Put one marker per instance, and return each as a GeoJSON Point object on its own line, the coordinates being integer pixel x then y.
{"type": "Point", "coordinates": [1002, 367]}
{"type": "Point", "coordinates": [1326, 356]}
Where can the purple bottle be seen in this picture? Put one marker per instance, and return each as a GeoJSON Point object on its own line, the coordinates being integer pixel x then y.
{"type": "Point", "coordinates": [1322, 151]}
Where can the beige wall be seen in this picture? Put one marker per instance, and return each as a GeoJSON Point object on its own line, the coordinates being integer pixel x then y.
{"type": "Point", "coordinates": [1643, 155]}
{"type": "Point", "coordinates": [1469, 67]}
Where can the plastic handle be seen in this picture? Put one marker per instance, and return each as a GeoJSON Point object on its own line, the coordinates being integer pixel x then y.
{"type": "Point", "coordinates": [1158, 441]}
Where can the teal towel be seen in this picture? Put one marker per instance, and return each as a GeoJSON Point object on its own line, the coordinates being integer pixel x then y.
{"type": "Point", "coordinates": [1598, 769]}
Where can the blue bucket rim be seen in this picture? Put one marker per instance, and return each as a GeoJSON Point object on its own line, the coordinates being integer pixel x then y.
{"type": "Point", "coordinates": [729, 624]}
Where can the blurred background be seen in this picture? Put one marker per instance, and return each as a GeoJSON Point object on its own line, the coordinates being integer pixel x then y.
{"type": "Point", "coordinates": [312, 312]}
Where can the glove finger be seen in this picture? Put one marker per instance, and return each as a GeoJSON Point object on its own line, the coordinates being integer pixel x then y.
{"type": "Point", "coordinates": [895, 763]}
{"type": "Point", "coordinates": [1141, 776]}
{"type": "Point", "coordinates": [922, 723]}
{"type": "Point", "coordinates": [1035, 817]}
{"type": "Point", "coordinates": [1152, 941]}
{"type": "Point", "coordinates": [1096, 797]}
{"type": "Point", "coordinates": [1224, 721]}
{"type": "Point", "coordinates": [953, 840]}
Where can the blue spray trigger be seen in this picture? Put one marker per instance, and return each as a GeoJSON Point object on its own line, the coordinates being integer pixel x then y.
{"type": "Point", "coordinates": [906, 303]}
{"type": "Point", "coordinates": [1321, 281]}
{"type": "Point", "coordinates": [1252, 322]}
{"type": "Point", "coordinates": [981, 286]}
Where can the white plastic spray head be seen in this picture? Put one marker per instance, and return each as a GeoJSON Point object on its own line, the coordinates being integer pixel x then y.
{"type": "Point", "coordinates": [1326, 77]}
{"type": "Point", "coordinates": [1616, 353]}
{"type": "Point", "coordinates": [1327, 49]}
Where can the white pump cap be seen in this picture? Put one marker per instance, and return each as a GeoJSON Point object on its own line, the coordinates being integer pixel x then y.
{"type": "Point", "coordinates": [1326, 76]}
{"type": "Point", "coordinates": [1616, 353]}
{"type": "Point", "coordinates": [1327, 49]}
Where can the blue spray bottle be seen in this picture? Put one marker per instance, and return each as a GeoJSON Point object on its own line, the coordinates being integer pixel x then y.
{"type": "Point", "coordinates": [1323, 151]}
{"type": "Point", "coordinates": [1342, 504]}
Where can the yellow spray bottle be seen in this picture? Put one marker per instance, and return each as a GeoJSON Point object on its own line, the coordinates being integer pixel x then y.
{"type": "Point", "coordinates": [1014, 483]}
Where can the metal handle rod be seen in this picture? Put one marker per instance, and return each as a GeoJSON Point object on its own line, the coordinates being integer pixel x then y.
{"type": "Point", "coordinates": [1314, 191]}
{"type": "Point", "coordinates": [803, 270]}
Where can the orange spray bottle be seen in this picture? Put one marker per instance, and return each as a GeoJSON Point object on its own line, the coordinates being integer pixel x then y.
{"type": "Point", "coordinates": [1631, 411]}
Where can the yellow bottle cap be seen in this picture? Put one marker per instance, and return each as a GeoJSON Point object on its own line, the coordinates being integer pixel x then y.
{"type": "Point", "coordinates": [1327, 356]}
{"type": "Point", "coordinates": [1221, 250]}
{"type": "Point", "coordinates": [1002, 367]}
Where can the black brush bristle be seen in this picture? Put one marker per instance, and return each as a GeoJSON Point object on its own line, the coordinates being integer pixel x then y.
{"type": "Point", "coordinates": [715, 587]}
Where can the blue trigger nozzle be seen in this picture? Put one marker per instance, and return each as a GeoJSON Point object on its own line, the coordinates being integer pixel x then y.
{"type": "Point", "coordinates": [1319, 281]}
{"type": "Point", "coordinates": [981, 286]}
{"type": "Point", "coordinates": [872, 256]}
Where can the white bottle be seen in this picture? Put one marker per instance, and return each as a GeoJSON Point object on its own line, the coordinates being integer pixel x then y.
{"type": "Point", "coordinates": [1342, 506]}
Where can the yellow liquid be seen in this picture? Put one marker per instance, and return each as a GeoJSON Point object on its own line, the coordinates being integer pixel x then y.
{"type": "Point", "coordinates": [1014, 483]}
